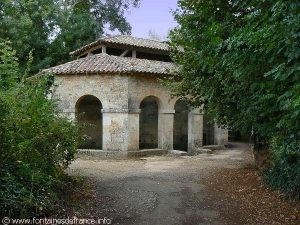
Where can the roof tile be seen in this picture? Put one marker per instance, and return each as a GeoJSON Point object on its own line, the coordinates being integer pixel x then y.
{"type": "Point", "coordinates": [104, 63]}
{"type": "Point", "coordinates": [125, 40]}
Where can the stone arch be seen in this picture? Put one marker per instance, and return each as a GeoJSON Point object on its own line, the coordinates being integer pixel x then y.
{"type": "Point", "coordinates": [148, 124]}
{"type": "Point", "coordinates": [89, 116]}
{"type": "Point", "coordinates": [160, 102]}
{"type": "Point", "coordinates": [180, 128]}
{"type": "Point", "coordinates": [173, 101]}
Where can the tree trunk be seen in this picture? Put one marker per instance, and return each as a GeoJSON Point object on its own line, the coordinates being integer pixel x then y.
{"type": "Point", "coordinates": [261, 152]}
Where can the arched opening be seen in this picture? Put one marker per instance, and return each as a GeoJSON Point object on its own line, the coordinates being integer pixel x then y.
{"type": "Point", "coordinates": [208, 131]}
{"type": "Point", "coordinates": [180, 132]}
{"type": "Point", "coordinates": [149, 123]}
{"type": "Point", "coordinates": [89, 116]}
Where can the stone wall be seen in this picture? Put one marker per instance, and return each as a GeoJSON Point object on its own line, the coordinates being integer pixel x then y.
{"type": "Point", "coordinates": [143, 86]}
{"type": "Point", "coordinates": [111, 90]}
{"type": "Point", "coordinates": [121, 97]}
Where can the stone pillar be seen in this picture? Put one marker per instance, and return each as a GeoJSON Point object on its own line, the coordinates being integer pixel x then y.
{"type": "Point", "coordinates": [115, 129]}
{"type": "Point", "coordinates": [165, 129]}
{"type": "Point", "coordinates": [133, 129]}
{"type": "Point", "coordinates": [220, 135]}
{"type": "Point", "coordinates": [195, 130]}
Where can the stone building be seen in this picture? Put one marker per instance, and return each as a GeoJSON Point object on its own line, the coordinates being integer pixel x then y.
{"type": "Point", "coordinates": [113, 89]}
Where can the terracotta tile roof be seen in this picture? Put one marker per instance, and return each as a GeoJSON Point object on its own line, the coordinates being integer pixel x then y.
{"type": "Point", "coordinates": [127, 41]}
{"type": "Point", "coordinates": [104, 63]}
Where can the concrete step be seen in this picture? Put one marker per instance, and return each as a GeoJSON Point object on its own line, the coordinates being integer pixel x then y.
{"type": "Point", "coordinates": [214, 147]}
{"type": "Point", "coordinates": [147, 152]}
{"type": "Point", "coordinates": [101, 154]}
{"type": "Point", "coordinates": [177, 153]}
{"type": "Point", "coordinates": [94, 154]}
{"type": "Point", "coordinates": [202, 151]}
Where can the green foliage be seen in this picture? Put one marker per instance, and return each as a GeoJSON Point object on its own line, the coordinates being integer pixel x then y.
{"type": "Point", "coordinates": [8, 67]}
{"type": "Point", "coordinates": [284, 174]}
{"type": "Point", "coordinates": [36, 144]}
{"type": "Point", "coordinates": [53, 28]}
{"type": "Point", "coordinates": [241, 59]}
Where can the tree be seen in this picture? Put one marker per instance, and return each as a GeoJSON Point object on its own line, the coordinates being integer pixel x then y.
{"type": "Point", "coordinates": [53, 28]}
{"type": "Point", "coordinates": [241, 60]}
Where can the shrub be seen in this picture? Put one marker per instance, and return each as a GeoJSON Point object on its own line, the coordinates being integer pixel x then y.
{"type": "Point", "coordinates": [284, 172]}
{"type": "Point", "coordinates": [36, 142]}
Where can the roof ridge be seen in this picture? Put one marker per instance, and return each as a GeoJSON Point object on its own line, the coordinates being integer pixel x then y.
{"type": "Point", "coordinates": [126, 35]}
{"type": "Point", "coordinates": [107, 37]}
{"type": "Point", "coordinates": [138, 59]}
{"type": "Point", "coordinates": [121, 62]}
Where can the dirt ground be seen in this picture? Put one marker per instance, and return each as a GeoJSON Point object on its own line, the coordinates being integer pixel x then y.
{"type": "Point", "coordinates": [218, 188]}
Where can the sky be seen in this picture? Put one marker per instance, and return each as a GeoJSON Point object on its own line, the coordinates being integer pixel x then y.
{"type": "Point", "coordinates": [154, 15]}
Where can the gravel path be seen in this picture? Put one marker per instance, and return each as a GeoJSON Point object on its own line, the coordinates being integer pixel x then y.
{"type": "Point", "coordinates": [165, 190]}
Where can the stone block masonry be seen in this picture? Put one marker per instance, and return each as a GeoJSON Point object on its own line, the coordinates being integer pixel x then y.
{"type": "Point", "coordinates": [136, 113]}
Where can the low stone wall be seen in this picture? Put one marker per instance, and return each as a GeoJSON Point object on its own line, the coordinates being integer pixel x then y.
{"type": "Point", "coordinates": [91, 154]}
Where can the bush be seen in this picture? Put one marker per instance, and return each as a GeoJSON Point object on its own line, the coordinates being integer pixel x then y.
{"type": "Point", "coordinates": [36, 143]}
{"type": "Point", "coordinates": [284, 172]}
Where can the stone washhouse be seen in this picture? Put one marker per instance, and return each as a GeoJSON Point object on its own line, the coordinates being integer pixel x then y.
{"type": "Point", "coordinates": [113, 90]}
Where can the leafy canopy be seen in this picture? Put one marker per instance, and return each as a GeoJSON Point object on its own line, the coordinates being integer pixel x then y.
{"type": "Point", "coordinates": [241, 59]}
{"type": "Point", "coordinates": [53, 28]}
